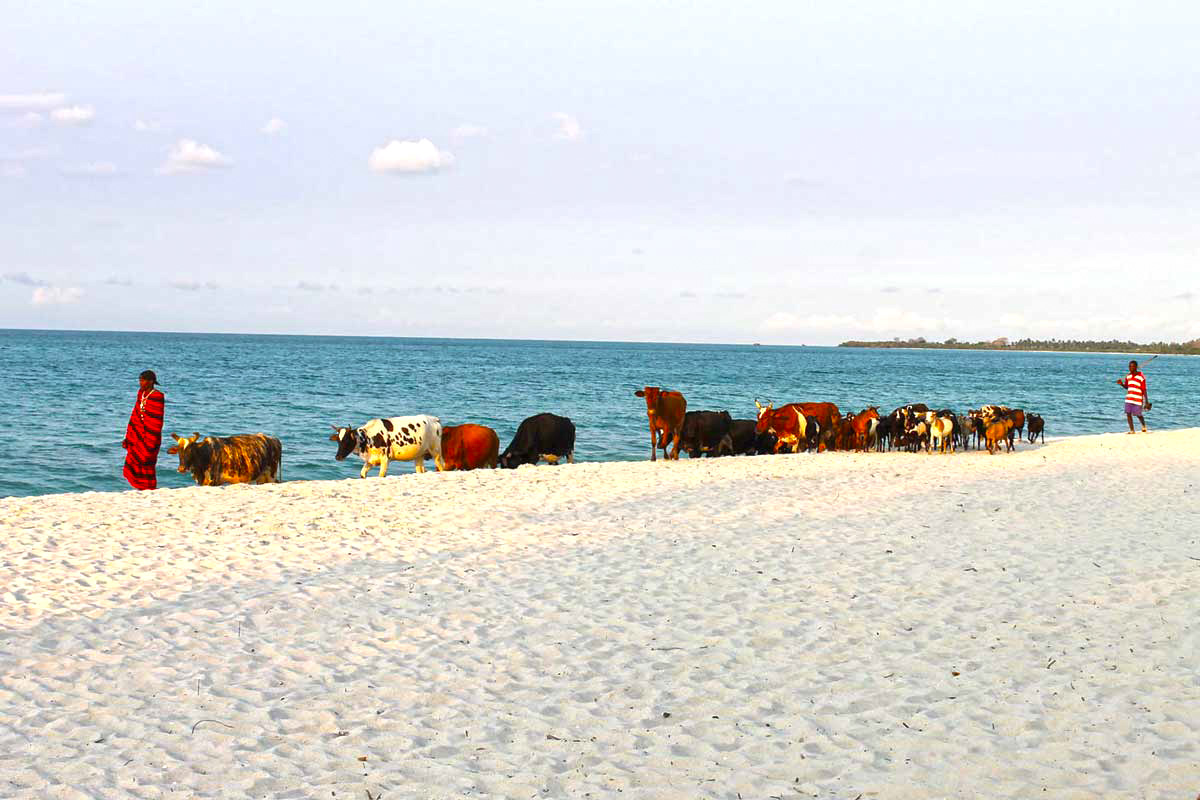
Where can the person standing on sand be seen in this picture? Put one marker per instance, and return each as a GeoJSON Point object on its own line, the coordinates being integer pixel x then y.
{"type": "Point", "coordinates": [1136, 396]}
{"type": "Point", "coordinates": [143, 436]}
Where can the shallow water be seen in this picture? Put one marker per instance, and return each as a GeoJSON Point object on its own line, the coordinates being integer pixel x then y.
{"type": "Point", "coordinates": [67, 395]}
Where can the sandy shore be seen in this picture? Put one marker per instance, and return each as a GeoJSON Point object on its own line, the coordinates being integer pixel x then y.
{"type": "Point", "coordinates": [891, 626]}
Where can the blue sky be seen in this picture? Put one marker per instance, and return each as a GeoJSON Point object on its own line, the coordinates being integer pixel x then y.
{"type": "Point", "coordinates": [774, 172]}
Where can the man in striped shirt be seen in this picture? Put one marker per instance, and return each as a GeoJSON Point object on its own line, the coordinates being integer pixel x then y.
{"type": "Point", "coordinates": [1136, 396]}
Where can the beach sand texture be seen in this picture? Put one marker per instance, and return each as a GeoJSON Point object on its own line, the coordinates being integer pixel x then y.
{"type": "Point", "coordinates": [890, 625]}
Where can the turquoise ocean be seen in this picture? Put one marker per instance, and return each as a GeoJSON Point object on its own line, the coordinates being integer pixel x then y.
{"type": "Point", "coordinates": [67, 395]}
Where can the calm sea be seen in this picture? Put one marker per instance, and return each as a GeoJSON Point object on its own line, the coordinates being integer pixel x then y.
{"type": "Point", "coordinates": [67, 395]}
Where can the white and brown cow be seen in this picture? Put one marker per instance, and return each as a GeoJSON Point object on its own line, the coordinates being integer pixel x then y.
{"type": "Point", "coordinates": [395, 439]}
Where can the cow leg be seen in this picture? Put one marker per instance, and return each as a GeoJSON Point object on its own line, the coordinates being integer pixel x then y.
{"type": "Point", "coordinates": [653, 442]}
{"type": "Point", "coordinates": [419, 462]}
{"type": "Point", "coordinates": [366, 468]}
{"type": "Point", "coordinates": [675, 445]}
{"type": "Point", "coordinates": [438, 461]}
{"type": "Point", "coordinates": [383, 467]}
{"type": "Point", "coordinates": [571, 457]}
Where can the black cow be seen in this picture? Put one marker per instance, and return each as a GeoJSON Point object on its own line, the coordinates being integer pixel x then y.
{"type": "Point", "coordinates": [764, 443]}
{"type": "Point", "coordinates": [812, 432]}
{"type": "Point", "coordinates": [706, 432]}
{"type": "Point", "coordinates": [742, 434]}
{"type": "Point", "coordinates": [1037, 427]}
{"type": "Point", "coordinates": [547, 436]}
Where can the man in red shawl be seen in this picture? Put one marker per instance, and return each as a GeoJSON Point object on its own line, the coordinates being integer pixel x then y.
{"type": "Point", "coordinates": [143, 437]}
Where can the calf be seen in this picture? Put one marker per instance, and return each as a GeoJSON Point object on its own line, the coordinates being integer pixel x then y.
{"type": "Point", "coordinates": [997, 433]}
{"type": "Point", "coordinates": [381, 441]}
{"type": "Point", "coordinates": [466, 447]}
{"type": "Point", "coordinates": [742, 435]}
{"type": "Point", "coordinates": [245, 458]}
{"type": "Point", "coordinates": [665, 410]}
{"type": "Point", "coordinates": [706, 432]}
{"type": "Point", "coordinates": [866, 427]}
{"type": "Point", "coordinates": [1037, 427]}
{"type": "Point", "coordinates": [941, 433]}
{"type": "Point", "coordinates": [542, 436]}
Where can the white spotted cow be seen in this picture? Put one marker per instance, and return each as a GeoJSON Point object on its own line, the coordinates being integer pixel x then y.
{"type": "Point", "coordinates": [396, 439]}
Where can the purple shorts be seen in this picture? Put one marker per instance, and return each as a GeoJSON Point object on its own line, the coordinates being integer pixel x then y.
{"type": "Point", "coordinates": [1134, 409]}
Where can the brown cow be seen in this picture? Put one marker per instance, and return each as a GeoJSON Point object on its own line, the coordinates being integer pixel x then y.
{"type": "Point", "coordinates": [998, 434]}
{"type": "Point", "coordinates": [215, 461]}
{"type": "Point", "coordinates": [826, 415]}
{"type": "Point", "coordinates": [787, 423]}
{"type": "Point", "coordinates": [665, 410]}
{"type": "Point", "coordinates": [865, 423]}
{"type": "Point", "coordinates": [469, 447]}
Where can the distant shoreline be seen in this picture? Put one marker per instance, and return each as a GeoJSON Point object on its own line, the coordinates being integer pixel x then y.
{"type": "Point", "coordinates": [1031, 346]}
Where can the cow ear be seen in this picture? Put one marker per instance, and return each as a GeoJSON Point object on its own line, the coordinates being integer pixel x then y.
{"type": "Point", "coordinates": [173, 450]}
{"type": "Point", "coordinates": [333, 437]}
{"type": "Point", "coordinates": [640, 393]}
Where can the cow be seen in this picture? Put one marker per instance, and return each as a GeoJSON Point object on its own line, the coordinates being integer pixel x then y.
{"type": "Point", "coordinates": [743, 437]}
{"type": "Point", "coordinates": [866, 426]}
{"type": "Point", "coordinates": [998, 433]}
{"type": "Point", "coordinates": [845, 436]}
{"type": "Point", "coordinates": [827, 416]}
{"type": "Point", "coordinates": [542, 436]}
{"type": "Point", "coordinates": [812, 433]}
{"type": "Point", "coordinates": [467, 447]}
{"type": "Point", "coordinates": [1037, 427]}
{"type": "Point", "coordinates": [244, 458]}
{"type": "Point", "coordinates": [941, 433]}
{"type": "Point", "coordinates": [787, 423]}
{"type": "Point", "coordinates": [665, 409]}
{"type": "Point", "coordinates": [381, 441]}
{"type": "Point", "coordinates": [706, 432]}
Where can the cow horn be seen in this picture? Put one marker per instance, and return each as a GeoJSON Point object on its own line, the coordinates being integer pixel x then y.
{"type": "Point", "coordinates": [173, 436]}
{"type": "Point", "coordinates": [335, 427]}
{"type": "Point", "coordinates": [195, 436]}
{"type": "Point", "coordinates": [757, 404]}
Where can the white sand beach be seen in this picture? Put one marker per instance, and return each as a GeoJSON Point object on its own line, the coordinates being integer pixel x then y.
{"type": "Point", "coordinates": [881, 625]}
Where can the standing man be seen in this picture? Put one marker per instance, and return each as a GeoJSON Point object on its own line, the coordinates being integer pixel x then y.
{"type": "Point", "coordinates": [143, 436]}
{"type": "Point", "coordinates": [1136, 396]}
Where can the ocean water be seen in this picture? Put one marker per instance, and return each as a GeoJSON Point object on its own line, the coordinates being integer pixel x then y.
{"type": "Point", "coordinates": [66, 396]}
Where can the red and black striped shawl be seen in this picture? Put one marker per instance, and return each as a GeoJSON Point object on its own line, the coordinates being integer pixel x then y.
{"type": "Point", "coordinates": [143, 437]}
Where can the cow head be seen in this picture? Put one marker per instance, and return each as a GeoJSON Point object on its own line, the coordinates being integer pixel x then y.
{"type": "Point", "coordinates": [184, 448]}
{"type": "Point", "coordinates": [651, 393]}
{"type": "Point", "coordinates": [513, 460]}
{"type": "Point", "coordinates": [765, 417]}
{"type": "Point", "coordinates": [347, 438]}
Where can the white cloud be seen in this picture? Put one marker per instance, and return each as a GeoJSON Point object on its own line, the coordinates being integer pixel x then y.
{"type": "Point", "coordinates": [24, 279]}
{"type": "Point", "coordinates": [55, 295]}
{"type": "Point", "coordinates": [409, 158]}
{"type": "Point", "coordinates": [188, 155]}
{"type": "Point", "coordinates": [568, 126]}
{"type": "Point", "coordinates": [32, 102]}
{"type": "Point", "coordinates": [274, 125]}
{"type": "Point", "coordinates": [97, 169]}
{"type": "Point", "coordinates": [469, 131]}
{"type": "Point", "coordinates": [147, 126]}
{"type": "Point", "coordinates": [11, 170]}
{"type": "Point", "coordinates": [193, 286]}
{"type": "Point", "coordinates": [73, 115]}
{"type": "Point", "coordinates": [30, 119]}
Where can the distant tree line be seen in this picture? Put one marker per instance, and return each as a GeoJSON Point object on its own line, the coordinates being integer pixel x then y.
{"type": "Point", "coordinates": [1191, 348]}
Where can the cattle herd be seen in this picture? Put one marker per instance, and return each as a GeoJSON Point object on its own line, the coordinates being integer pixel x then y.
{"type": "Point", "coordinates": [790, 428]}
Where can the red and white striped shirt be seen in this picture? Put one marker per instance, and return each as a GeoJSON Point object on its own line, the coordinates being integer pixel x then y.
{"type": "Point", "coordinates": [1135, 389]}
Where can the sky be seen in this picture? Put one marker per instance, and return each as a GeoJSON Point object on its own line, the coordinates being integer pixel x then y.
{"type": "Point", "coordinates": [775, 172]}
